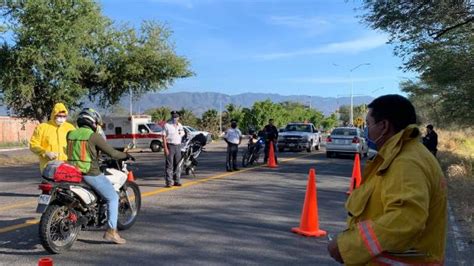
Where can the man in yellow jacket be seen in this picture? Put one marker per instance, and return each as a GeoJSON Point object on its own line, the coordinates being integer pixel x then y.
{"type": "Point", "coordinates": [49, 138]}
{"type": "Point", "coordinates": [398, 216]}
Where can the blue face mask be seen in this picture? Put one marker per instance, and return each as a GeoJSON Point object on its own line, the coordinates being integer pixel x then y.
{"type": "Point", "coordinates": [372, 143]}
{"type": "Point", "coordinates": [175, 120]}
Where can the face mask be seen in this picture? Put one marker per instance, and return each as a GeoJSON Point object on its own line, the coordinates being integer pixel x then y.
{"type": "Point", "coordinates": [233, 125]}
{"type": "Point", "coordinates": [372, 143]}
{"type": "Point", "coordinates": [60, 120]}
{"type": "Point", "coordinates": [175, 120]}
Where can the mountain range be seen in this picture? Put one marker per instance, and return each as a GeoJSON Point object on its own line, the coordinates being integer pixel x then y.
{"type": "Point", "coordinates": [199, 102]}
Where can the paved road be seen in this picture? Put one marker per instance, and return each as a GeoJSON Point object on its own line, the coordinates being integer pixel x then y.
{"type": "Point", "coordinates": [215, 218]}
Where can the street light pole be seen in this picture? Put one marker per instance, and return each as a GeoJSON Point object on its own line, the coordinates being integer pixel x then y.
{"type": "Point", "coordinates": [351, 119]}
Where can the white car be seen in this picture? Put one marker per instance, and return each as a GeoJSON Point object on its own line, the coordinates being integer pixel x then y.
{"type": "Point", "coordinates": [190, 131]}
{"type": "Point", "coordinates": [346, 140]}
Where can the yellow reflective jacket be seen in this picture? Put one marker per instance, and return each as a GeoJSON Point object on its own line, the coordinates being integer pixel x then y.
{"type": "Point", "coordinates": [398, 214]}
{"type": "Point", "coordinates": [49, 137]}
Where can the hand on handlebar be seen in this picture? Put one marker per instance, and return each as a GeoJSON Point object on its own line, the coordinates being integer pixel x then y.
{"type": "Point", "coordinates": [130, 157]}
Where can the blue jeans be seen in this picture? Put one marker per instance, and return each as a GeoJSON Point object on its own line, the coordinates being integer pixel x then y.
{"type": "Point", "coordinates": [106, 190]}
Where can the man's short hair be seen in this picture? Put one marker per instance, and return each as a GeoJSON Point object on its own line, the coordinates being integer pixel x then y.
{"type": "Point", "coordinates": [429, 127]}
{"type": "Point", "coordinates": [398, 110]}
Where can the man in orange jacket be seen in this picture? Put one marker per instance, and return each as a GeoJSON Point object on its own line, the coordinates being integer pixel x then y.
{"type": "Point", "coordinates": [398, 215]}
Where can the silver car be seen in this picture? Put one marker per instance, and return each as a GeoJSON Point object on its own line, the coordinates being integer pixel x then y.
{"type": "Point", "coordinates": [346, 140]}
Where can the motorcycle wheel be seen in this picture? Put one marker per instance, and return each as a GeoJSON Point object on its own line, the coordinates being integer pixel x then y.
{"type": "Point", "coordinates": [254, 158]}
{"type": "Point", "coordinates": [129, 206]}
{"type": "Point", "coordinates": [245, 159]}
{"type": "Point", "coordinates": [58, 229]}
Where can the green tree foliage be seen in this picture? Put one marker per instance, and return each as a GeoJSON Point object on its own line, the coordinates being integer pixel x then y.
{"type": "Point", "coordinates": [63, 51]}
{"type": "Point", "coordinates": [434, 38]}
{"type": "Point", "coordinates": [257, 117]}
{"type": "Point", "coordinates": [187, 118]}
{"type": "Point", "coordinates": [210, 122]}
{"type": "Point", "coordinates": [359, 111]}
{"type": "Point", "coordinates": [330, 122]}
{"type": "Point", "coordinates": [159, 114]}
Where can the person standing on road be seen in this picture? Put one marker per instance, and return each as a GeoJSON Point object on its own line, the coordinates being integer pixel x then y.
{"type": "Point", "coordinates": [172, 137]}
{"type": "Point", "coordinates": [233, 137]}
{"type": "Point", "coordinates": [84, 147]}
{"type": "Point", "coordinates": [49, 138]}
{"type": "Point", "coordinates": [271, 135]}
{"type": "Point", "coordinates": [431, 140]}
{"type": "Point", "coordinates": [399, 213]}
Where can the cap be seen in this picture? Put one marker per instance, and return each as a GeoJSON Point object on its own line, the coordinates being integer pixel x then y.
{"type": "Point", "coordinates": [174, 113]}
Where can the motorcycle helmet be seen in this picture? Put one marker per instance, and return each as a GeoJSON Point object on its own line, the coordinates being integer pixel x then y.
{"type": "Point", "coordinates": [90, 118]}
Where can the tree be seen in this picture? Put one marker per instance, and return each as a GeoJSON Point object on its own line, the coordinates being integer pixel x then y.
{"type": "Point", "coordinates": [63, 51]}
{"type": "Point", "coordinates": [210, 122]}
{"type": "Point", "coordinates": [188, 118]}
{"type": "Point", "coordinates": [329, 122]}
{"type": "Point", "coordinates": [159, 114]}
{"type": "Point", "coordinates": [435, 39]}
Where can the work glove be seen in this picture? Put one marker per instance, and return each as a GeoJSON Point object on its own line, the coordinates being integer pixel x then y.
{"type": "Point", "coordinates": [50, 155]}
{"type": "Point", "coordinates": [130, 157]}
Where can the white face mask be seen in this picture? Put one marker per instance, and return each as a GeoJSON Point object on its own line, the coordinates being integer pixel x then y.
{"type": "Point", "coordinates": [60, 120]}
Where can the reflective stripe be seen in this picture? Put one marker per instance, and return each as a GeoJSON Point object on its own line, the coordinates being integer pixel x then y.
{"type": "Point", "coordinates": [387, 261]}
{"type": "Point", "coordinates": [384, 259]}
{"type": "Point", "coordinates": [83, 150]}
{"type": "Point", "coordinates": [369, 237]}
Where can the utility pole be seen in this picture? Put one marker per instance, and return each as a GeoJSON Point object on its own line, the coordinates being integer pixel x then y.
{"type": "Point", "coordinates": [131, 99]}
{"type": "Point", "coordinates": [220, 117]}
{"type": "Point", "coordinates": [351, 121]}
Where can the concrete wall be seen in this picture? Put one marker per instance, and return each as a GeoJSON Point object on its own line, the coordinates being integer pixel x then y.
{"type": "Point", "coordinates": [15, 129]}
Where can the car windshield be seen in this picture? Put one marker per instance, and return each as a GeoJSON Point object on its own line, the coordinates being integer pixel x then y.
{"type": "Point", "coordinates": [344, 132]}
{"type": "Point", "coordinates": [155, 127]}
{"type": "Point", "coordinates": [301, 128]}
{"type": "Point", "coordinates": [191, 129]}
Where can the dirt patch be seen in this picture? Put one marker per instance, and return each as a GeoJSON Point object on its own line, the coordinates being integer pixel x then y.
{"type": "Point", "coordinates": [13, 160]}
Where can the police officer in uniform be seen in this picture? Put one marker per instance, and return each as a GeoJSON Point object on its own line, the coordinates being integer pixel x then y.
{"type": "Point", "coordinates": [172, 136]}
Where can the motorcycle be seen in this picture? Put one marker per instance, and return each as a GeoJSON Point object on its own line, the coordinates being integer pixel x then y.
{"type": "Point", "coordinates": [69, 207]}
{"type": "Point", "coordinates": [255, 147]}
{"type": "Point", "coordinates": [190, 150]}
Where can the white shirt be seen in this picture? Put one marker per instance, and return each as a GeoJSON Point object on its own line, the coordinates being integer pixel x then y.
{"type": "Point", "coordinates": [173, 133]}
{"type": "Point", "coordinates": [233, 135]}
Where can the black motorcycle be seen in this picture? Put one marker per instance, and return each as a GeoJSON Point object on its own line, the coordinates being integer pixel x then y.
{"type": "Point", "coordinates": [67, 207]}
{"type": "Point", "coordinates": [255, 146]}
{"type": "Point", "coordinates": [190, 151]}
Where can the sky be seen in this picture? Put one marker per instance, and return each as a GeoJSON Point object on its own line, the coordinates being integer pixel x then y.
{"type": "Point", "coordinates": [292, 47]}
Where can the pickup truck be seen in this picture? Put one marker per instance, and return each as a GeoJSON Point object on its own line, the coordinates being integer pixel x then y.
{"type": "Point", "coordinates": [299, 136]}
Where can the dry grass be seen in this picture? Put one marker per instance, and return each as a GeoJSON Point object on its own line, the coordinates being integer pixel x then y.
{"type": "Point", "coordinates": [456, 156]}
{"type": "Point", "coordinates": [6, 160]}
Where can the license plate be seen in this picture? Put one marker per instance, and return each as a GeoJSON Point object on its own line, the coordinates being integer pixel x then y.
{"type": "Point", "coordinates": [340, 141]}
{"type": "Point", "coordinates": [44, 199]}
{"type": "Point", "coordinates": [291, 145]}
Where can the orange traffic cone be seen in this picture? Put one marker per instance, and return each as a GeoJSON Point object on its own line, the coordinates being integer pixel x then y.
{"type": "Point", "coordinates": [356, 178]}
{"type": "Point", "coordinates": [130, 177]}
{"type": "Point", "coordinates": [46, 261]}
{"type": "Point", "coordinates": [309, 224]}
{"type": "Point", "coordinates": [271, 157]}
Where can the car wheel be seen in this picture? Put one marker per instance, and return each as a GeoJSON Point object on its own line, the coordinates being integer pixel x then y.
{"type": "Point", "coordinates": [310, 147]}
{"type": "Point", "coordinates": [155, 146]}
